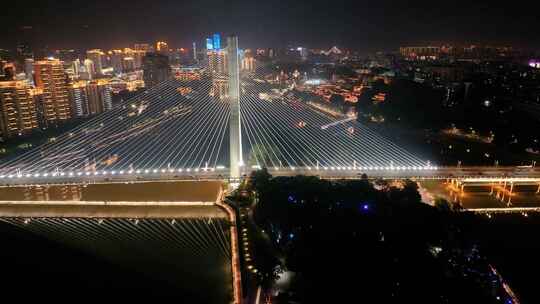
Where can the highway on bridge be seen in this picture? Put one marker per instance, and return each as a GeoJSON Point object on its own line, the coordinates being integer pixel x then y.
{"type": "Point", "coordinates": [104, 176]}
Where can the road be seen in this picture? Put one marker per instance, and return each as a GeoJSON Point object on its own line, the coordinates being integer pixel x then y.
{"type": "Point", "coordinates": [105, 176]}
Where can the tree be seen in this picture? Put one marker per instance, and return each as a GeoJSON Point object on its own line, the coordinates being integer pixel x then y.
{"type": "Point", "coordinates": [410, 192]}
{"type": "Point", "coordinates": [259, 179]}
{"type": "Point", "coordinates": [381, 184]}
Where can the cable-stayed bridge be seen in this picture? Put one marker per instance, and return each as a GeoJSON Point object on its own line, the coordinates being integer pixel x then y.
{"type": "Point", "coordinates": [221, 126]}
{"type": "Point", "coordinates": [218, 127]}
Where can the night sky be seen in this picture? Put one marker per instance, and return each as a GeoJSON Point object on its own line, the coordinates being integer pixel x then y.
{"type": "Point", "coordinates": [362, 25]}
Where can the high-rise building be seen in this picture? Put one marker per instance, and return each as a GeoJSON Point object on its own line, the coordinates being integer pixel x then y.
{"type": "Point", "coordinates": [90, 68]}
{"type": "Point", "coordinates": [99, 97]}
{"type": "Point", "coordinates": [217, 62]}
{"type": "Point", "coordinates": [194, 49]}
{"type": "Point", "coordinates": [97, 58]}
{"type": "Point", "coordinates": [52, 79]}
{"type": "Point", "coordinates": [76, 66]}
{"type": "Point", "coordinates": [79, 99]}
{"type": "Point", "coordinates": [137, 56]}
{"type": "Point", "coordinates": [162, 47]}
{"type": "Point", "coordinates": [145, 47]}
{"type": "Point", "coordinates": [17, 109]}
{"type": "Point", "coordinates": [9, 71]}
{"type": "Point", "coordinates": [248, 64]}
{"type": "Point", "coordinates": [303, 52]}
{"type": "Point", "coordinates": [128, 64]}
{"type": "Point", "coordinates": [26, 38]}
{"type": "Point", "coordinates": [23, 51]}
{"type": "Point", "coordinates": [216, 41]}
{"type": "Point", "coordinates": [5, 55]}
{"type": "Point", "coordinates": [29, 69]}
{"type": "Point", "coordinates": [420, 52]}
{"type": "Point", "coordinates": [90, 97]}
{"type": "Point", "coordinates": [67, 55]}
{"type": "Point", "coordinates": [209, 44]}
{"type": "Point", "coordinates": [220, 87]}
{"type": "Point", "coordinates": [156, 69]}
{"type": "Point", "coordinates": [116, 57]}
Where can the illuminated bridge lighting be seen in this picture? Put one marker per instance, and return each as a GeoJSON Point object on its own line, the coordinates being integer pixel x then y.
{"type": "Point", "coordinates": [163, 131]}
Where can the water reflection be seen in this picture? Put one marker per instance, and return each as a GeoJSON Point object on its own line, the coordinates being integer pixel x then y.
{"type": "Point", "coordinates": [185, 191]}
{"type": "Point", "coordinates": [184, 260]}
{"type": "Point", "coordinates": [59, 193]}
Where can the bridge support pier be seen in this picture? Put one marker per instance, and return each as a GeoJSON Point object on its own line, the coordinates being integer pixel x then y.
{"type": "Point", "coordinates": [538, 190]}
{"type": "Point", "coordinates": [510, 194]}
{"type": "Point", "coordinates": [503, 192]}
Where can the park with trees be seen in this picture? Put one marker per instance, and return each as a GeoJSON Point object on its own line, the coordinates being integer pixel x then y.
{"type": "Point", "coordinates": [367, 241]}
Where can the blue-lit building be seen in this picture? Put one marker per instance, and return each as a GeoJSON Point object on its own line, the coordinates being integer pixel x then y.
{"type": "Point", "coordinates": [217, 41]}
{"type": "Point", "coordinates": [209, 44]}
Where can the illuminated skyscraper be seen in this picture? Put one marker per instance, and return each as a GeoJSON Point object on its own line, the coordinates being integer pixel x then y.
{"type": "Point", "coordinates": [248, 63]}
{"type": "Point", "coordinates": [194, 51]}
{"type": "Point", "coordinates": [76, 66]}
{"type": "Point", "coordinates": [209, 44]}
{"type": "Point", "coordinates": [217, 62]}
{"type": "Point", "coordinates": [24, 51]}
{"type": "Point", "coordinates": [156, 69]}
{"type": "Point", "coordinates": [52, 79]}
{"type": "Point", "coordinates": [145, 47]}
{"type": "Point", "coordinates": [90, 97]}
{"type": "Point", "coordinates": [220, 88]}
{"type": "Point", "coordinates": [17, 109]}
{"type": "Point", "coordinates": [136, 55]}
{"type": "Point", "coordinates": [5, 55]}
{"type": "Point", "coordinates": [128, 64]}
{"type": "Point", "coordinates": [96, 57]}
{"type": "Point", "coordinates": [90, 68]}
{"type": "Point", "coordinates": [66, 55]}
{"type": "Point", "coordinates": [216, 39]}
{"type": "Point", "coordinates": [116, 57]}
{"type": "Point", "coordinates": [29, 69]}
{"type": "Point", "coordinates": [79, 98]}
{"type": "Point", "coordinates": [99, 97]}
{"type": "Point", "coordinates": [162, 47]}
{"type": "Point", "coordinates": [9, 70]}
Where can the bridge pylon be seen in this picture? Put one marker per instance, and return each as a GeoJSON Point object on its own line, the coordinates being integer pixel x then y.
{"type": "Point", "coordinates": [235, 135]}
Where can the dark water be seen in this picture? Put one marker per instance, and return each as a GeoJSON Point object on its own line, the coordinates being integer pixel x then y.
{"type": "Point", "coordinates": [81, 260]}
{"type": "Point", "coordinates": [36, 268]}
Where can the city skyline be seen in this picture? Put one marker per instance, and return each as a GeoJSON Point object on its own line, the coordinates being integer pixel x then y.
{"type": "Point", "coordinates": [362, 26]}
